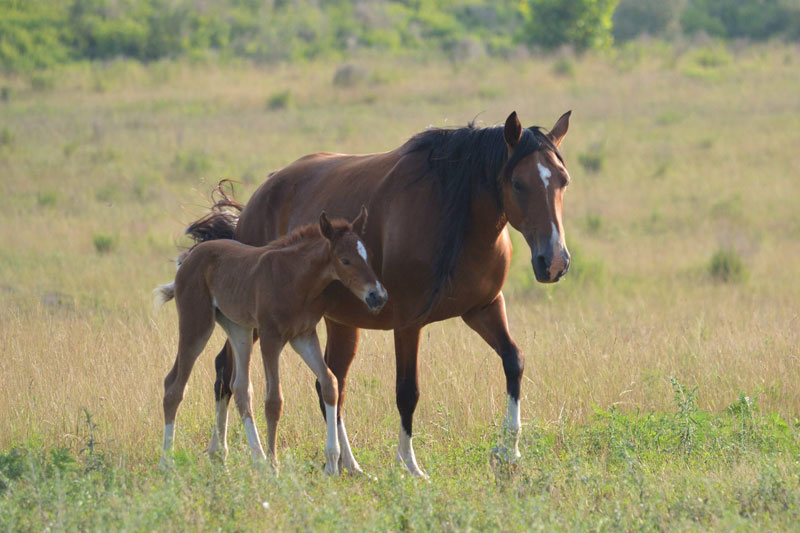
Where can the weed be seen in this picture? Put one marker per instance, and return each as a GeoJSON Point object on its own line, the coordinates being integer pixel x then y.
{"type": "Point", "coordinates": [193, 163]}
{"type": "Point", "coordinates": [5, 94]}
{"type": "Point", "coordinates": [594, 223]}
{"type": "Point", "coordinates": [564, 67]}
{"type": "Point", "coordinates": [46, 198]}
{"type": "Point", "coordinates": [6, 137]}
{"type": "Point", "coordinates": [103, 242]}
{"type": "Point", "coordinates": [280, 100]}
{"type": "Point", "coordinates": [349, 75]}
{"type": "Point", "coordinates": [686, 416]}
{"type": "Point", "coordinates": [593, 159]}
{"type": "Point", "coordinates": [727, 266]}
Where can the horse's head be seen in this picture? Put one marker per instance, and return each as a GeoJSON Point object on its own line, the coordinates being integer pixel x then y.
{"type": "Point", "coordinates": [349, 260]}
{"type": "Point", "coordinates": [533, 192]}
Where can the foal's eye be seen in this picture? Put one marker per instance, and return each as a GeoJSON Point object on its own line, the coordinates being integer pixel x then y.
{"type": "Point", "coordinates": [517, 185]}
{"type": "Point", "coordinates": [345, 261]}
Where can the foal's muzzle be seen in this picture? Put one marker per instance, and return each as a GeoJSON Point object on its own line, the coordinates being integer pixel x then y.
{"type": "Point", "coordinates": [376, 298]}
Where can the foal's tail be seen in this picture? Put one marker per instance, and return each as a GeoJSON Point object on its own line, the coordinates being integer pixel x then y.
{"type": "Point", "coordinates": [163, 293]}
{"type": "Point", "coordinates": [221, 222]}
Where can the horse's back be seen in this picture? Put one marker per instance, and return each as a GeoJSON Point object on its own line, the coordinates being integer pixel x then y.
{"type": "Point", "coordinates": [298, 193]}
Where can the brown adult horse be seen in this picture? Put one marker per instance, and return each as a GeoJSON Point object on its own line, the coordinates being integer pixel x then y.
{"type": "Point", "coordinates": [439, 207]}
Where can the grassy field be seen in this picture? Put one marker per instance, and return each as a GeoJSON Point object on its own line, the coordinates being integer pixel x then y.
{"type": "Point", "coordinates": [662, 385]}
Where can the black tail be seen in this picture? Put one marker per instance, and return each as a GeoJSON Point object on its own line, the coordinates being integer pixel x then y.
{"type": "Point", "coordinates": [221, 222]}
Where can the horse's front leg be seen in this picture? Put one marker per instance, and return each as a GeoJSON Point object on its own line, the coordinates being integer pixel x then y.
{"type": "Point", "coordinates": [273, 404]}
{"type": "Point", "coordinates": [406, 349]}
{"type": "Point", "coordinates": [491, 324]}
{"type": "Point", "coordinates": [308, 347]}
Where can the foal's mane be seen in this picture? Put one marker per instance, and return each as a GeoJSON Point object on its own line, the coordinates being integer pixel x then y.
{"type": "Point", "coordinates": [309, 231]}
{"type": "Point", "coordinates": [464, 161]}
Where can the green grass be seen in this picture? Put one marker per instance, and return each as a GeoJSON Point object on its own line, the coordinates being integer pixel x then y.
{"type": "Point", "coordinates": [655, 395]}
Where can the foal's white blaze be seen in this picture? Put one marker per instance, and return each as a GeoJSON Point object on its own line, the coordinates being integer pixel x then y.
{"type": "Point", "coordinates": [545, 174]}
{"type": "Point", "coordinates": [332, 445]}
{"type": "Point", "coordinates": [349, 462]}
{"type": "Point", "coordinates": [362, 251]}
{"type": "Point", "coordinates": [405, 454]}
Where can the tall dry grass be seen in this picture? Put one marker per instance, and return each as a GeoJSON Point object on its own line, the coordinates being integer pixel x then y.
{"type": "Point", "coordinates": [692, 159]}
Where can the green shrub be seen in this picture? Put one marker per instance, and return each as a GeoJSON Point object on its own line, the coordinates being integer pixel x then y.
{"type": "Point", "coordinates": [750, 19]}
{"type": "Point", "coordinates": [593, 159]}
{"type": "Point", "coordinates": [563, 66]}
{"type": "Point", "coordinates": [636, 17]}
{"type": "Point", "coordinates": [280, 100]}
{"type": "Point", "coordinates": [46, 198]}
{"type": "Point", "coordinates": [103, 242]}
{"type": "Point", "coordinates": [194, 162]}
{"type": "Point", "coordinates": [6, 136]}
{"type": "Point", "coordinates": [726, 265]}
{"type": "Point", "coordinates": [584, 24]}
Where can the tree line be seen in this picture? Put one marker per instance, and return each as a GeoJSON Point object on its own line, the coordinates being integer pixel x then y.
{"type": "Point", "coordinates": [42, 33]}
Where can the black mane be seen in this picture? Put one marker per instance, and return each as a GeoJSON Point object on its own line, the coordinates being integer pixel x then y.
{"type": "Point", "coordinates": [463, 161]}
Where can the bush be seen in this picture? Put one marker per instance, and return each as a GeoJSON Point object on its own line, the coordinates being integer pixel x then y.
{"type": "Point", "coordinates": [103, 242]}
{"type": "Point", "coordinates": [584, 24]}
{"type": "Point", "coordinates": [750, 19]}
{"type": "Point", "coordinates": [636, 17]}
{"type": "Point", "coordinates": [593, 159]}
{"type": "Point", "coordinates": [280, 100]}
{"type": "Point", "coordinates": [727, 266]}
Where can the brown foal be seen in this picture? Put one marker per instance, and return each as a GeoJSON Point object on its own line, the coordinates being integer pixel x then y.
{"type": "Point", "coordinates": [276, 289]}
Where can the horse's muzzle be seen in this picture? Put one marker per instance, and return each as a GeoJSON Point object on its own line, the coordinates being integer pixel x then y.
{"type": "Point", "coordinates": [548, 271]}
{"type": "Point", "coordinates": [376, 298]}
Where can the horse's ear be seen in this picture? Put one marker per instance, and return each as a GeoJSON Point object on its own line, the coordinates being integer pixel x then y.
{"type": "Point", "coordinates": [513, 130]}
{"type": "Point", "coordinates": [325, 226]}
{"type": "Point", "coordinates": [360, 222]}
{"type": "Point", "coordinates": [559, 131]}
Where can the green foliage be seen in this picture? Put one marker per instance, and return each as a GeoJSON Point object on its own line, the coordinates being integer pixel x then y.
{"type": "Point", "coordinates": [103, 242]}
{"type": "Point", "coordinates": [593, 159]}
{"type": "Point", "coordinates": [751, 19]}
{"type": "Point", "coordinates": [6, 137]}
{"type": "Point", "coordinates": [584, 24]}
{"type": "Point", "coordinates": [727, 266]}
{"type": "Point", "coordinates": [280, 100]}
{"type": "Point", "coordinates": [636, 17]}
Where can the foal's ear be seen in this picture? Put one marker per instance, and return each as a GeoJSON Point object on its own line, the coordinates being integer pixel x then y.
{"type": "Point", "coordinates": [325, 226]}
{"type": "Point", "coordinates": [513, 130]}
{"type": "Point", "coordinates": [559, 131]}
{"type": "Point", "coordinates": [360, 222]}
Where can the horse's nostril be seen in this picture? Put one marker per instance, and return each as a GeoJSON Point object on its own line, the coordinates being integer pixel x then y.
{"type": "Point", "coordinates": [541, 263]}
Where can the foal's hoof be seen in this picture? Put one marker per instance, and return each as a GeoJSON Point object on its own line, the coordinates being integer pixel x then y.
{"type": "Point", "coordinates": [503, 463]}
{"type": "Point", "coordinates": [412, 468]}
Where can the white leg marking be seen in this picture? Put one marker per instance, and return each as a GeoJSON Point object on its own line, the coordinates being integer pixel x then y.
{"type": "Point", "coordinates": [219, 435]}
{"type": "Point", "coordinates": [254, 441]}
{"type": "Point", "coordinates": [405, 454]}
{"type": "Point", "coordinates": [545, 174]}
{"type": "Point", "coordinates": [169, 436]}
{"type": "Point", "coordinates": [511, 428]}
{"type": "Point", "coordinates": [332, 444]}
{"type": "Point", "coordinates": [362, 251]}
{"type": "Point", "coordinates": [347, 460]}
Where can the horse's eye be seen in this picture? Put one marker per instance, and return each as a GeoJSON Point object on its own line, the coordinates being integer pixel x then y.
{"type": "Point", "coordinates": [517, 185]}
{"type": "Point", "coordinates": [345, 261]}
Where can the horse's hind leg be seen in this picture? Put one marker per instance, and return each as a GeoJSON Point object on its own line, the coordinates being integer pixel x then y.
{"type": "Point", "coordinates": [196, 323]}
{"type": "Point", "coordinates": [308, 348]}
{"type": "Point", "coordinates": [222, 396]}
{"type": "Point", "coordinates": [241, 341]}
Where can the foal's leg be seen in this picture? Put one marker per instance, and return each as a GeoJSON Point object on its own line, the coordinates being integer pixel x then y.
{"type": "Point", "coordinates": [340, 349]}
{"type": "Point", "coordinates": [222, 396]}
{"type": "Point", "coordinates": [308, 347]}
{"type": "Point", "coordinates": [271, 347]}
{"type": "Point", "coordinates": [491, 324]}
{"type": "Point", "coordinates": [406, 347]}
{"type": "Point", "coordinates": [196, 323]}
{"type": "Point", "coordinates": [241, 340]}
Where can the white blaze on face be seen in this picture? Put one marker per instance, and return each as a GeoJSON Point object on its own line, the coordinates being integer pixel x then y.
{"type": "Point", "coordinates": [545, 174]}
{"type": "Point", "coordinates": [362, 251]}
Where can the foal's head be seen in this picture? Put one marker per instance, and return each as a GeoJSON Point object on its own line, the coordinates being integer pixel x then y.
{"type": "Point", "coordinates": [534, 192]}
{"type": "Point", "coordinates": [349, 259]}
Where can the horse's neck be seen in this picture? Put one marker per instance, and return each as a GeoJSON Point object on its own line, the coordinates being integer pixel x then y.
{"type": "Point", "coordinates": [310, 263]}
{"type": "Point", "coordinates": [487, 220]}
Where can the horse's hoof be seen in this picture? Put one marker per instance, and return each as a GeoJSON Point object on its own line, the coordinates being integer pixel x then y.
{"type": "Point", "coordinates": [166, 465]}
